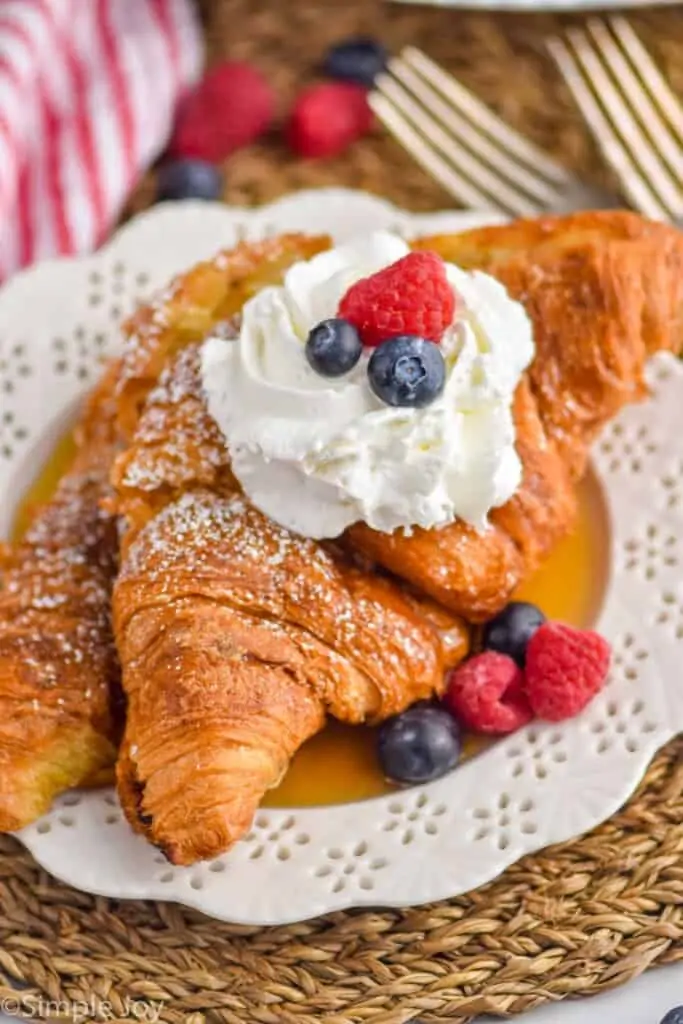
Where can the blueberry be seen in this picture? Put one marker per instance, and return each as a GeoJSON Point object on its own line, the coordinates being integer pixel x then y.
{"type": "Point", "coordinates": [356, 60]}
{"type": "Point", "coordinates": [512, 629]}
{"type": "Point", "coordinates": [333, 347]}
{"type": "Point", "coordinates": [407, 371]}
{"type": "Point", "coordinates": [674, 1016]}
{"type": "Point", "coordinates": [419, 745]}
{"type": "Point", "coordinates": [189, 179]}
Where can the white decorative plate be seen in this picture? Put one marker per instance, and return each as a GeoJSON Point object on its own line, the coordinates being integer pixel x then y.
{"type": "Point", "coordinates": [542, 785]}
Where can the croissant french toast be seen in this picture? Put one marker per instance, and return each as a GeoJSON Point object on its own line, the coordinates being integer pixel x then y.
{"type": "Point", "coordinates": [603, 290]}
{"type": "Point", "coordinates": [58, 665]}
{"type": "Point", "coordinates": [237, 637]}
{"type": "Point", "coordinates": [197, 303]}
{"type": "Point", "coordinates": [203, 595]}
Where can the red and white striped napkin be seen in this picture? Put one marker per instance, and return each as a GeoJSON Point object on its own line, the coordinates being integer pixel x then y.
{"type": "Point", "coordinates": [88, 90]}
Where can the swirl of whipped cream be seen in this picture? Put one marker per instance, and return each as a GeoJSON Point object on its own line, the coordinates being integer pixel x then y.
{"type": "Point", "coordinates": [317, 454]}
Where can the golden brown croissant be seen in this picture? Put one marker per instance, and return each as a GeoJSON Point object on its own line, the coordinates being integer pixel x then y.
{"type": "Point", "coordinates": [54, 608]}
{"type": "Point", "coordinates": [474, 573]}
{"type": "Point", "coordinates": [58, 665]}
{"type": "Point", "coordinates": [194, 305]}
{"type": "Point", "coordinates": [604, 291]}
{"type": "Point", "coordinates": [238, 638]}
{"type": "Point", "coordinates": [196, 591]}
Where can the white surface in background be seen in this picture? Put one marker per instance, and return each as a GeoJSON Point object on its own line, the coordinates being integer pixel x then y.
{"type": "Point", "coordinates": [644, 1001]}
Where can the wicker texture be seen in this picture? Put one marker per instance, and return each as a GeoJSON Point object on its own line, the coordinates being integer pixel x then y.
{"type": "Point", "coordinates": [571, 921]}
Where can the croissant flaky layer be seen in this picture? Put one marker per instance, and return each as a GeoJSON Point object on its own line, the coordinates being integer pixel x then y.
{"type": "Point", "coordinates": [237, 639]}
{"type": "Point", "coordinates": [58, 666]}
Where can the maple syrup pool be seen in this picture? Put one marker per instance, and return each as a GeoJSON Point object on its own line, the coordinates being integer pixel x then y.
{"type": "Point", "coordinates": [340, 764]}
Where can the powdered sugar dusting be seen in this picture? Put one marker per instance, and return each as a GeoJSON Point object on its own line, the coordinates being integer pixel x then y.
{"type": "Point", "coordinates": [206, 545]}
{"type": "Point", "coordinates": [205, 524]}
{"type": "Point", "coordinates": [176, 441]}
{"type": "Point", "coordinates": [56, 644]}
{"type": "Point", "coordinates": [145, 333]}
{"type": "Point", "coordinates": [192, 305]}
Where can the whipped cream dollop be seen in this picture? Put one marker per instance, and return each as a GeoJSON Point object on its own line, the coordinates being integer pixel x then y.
{"type": "Point", "coordinates": [317, 454]}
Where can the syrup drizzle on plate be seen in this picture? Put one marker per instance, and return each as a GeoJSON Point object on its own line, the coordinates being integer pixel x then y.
{"type": "Point", "coordinates": [339, 765]}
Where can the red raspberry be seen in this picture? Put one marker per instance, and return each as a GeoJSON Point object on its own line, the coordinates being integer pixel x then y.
{"type": "Point", "coordinates": [229, 108]}
{"type": "Point", "coordinates": [486, 694]}
{"type": "Point", "coordinates": [327, 118]}
{"type": "Point", "coordinates": [412, 296]}
{"type": "Point", "coordinates": [565, 668]}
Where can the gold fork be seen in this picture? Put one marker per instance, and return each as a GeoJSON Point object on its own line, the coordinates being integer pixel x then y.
{"type": "Point", "coordinates": [636, 119]}
{"type": "Point", "coordinates": [471, 151]}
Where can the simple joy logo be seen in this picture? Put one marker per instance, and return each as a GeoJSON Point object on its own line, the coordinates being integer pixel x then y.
{"type": "Point", "coordinates": [79, 1011]}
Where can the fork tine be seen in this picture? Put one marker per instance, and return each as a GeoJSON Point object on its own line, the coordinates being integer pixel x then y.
{"type": "Point", "coordinates": [660, 90]}
{"type": "Point", "coordinates": [627, 126]}
{"type": "Point", "coordinates": [461, 189]}
{"type": "Point", "coordinates": [512, 199]}
{"type": "Point", "coordinates": [641, 101]}
{"type": "Point", "coordinates": [478, 113]}
{"type": "Point", "coordinates": [464, 132]}
{"type": "Point", "coordinates": [607, 139]}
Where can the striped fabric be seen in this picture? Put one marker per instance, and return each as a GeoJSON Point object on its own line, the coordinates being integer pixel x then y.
{"type": "Point", "coordinates": [87, 94]}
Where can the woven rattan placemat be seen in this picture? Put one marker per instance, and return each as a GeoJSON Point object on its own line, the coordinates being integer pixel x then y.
{"type": "Point", "coordinates": [573, 920]}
